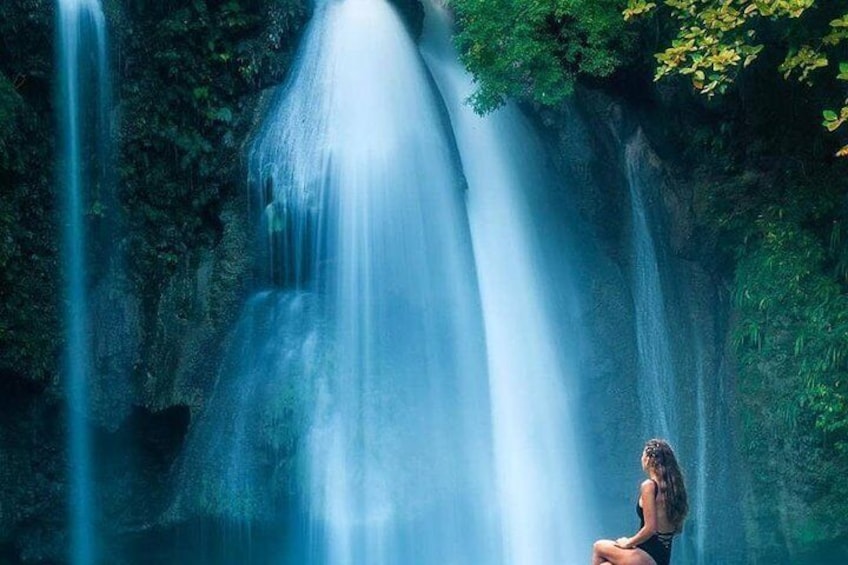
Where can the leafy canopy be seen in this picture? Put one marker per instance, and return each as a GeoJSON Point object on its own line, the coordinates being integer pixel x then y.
{"type": "Point", "coordinates": [536, 49]}
{"type": "Point", "coordinates": [717, 38]}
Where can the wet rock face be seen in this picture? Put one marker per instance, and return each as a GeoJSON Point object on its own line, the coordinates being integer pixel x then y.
{"type": "Point", "coordinates": [588, 133]}
{"type": "Point", "coordinates": [116, 343]}
{"type": "Point", "coordinates": [595, 138]}
{"type": "Point", "coordinates": [173, 361]}
{"type": "Point", "coordinates": [194, 312]}
{"type": "Point", "coordinates": [412, 13]}
{"type": "Point", "coordinates": [131, 466]}
{"type": "Point", "coordinates": [587, 154]}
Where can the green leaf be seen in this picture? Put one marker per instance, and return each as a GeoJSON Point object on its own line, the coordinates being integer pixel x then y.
{"type": "Point", "coordinates": [224, 114]}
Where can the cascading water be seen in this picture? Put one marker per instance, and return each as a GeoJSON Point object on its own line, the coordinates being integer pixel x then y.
{"type": "Point", "coordinates": [364, 224]}
{"type": "Point", "coordinates": [657, 380]}
{"type": "Point", "coordinates": [83, 80]}
{"type": "Point", "coordinates": [680, 378]}
{"type": "Point", "coordinates": [396, 452]}
{"type": "Point", "coordinates": [657, 383]}
{"type": "Point", "coordinates": [535, 445]}
{"type": "Point", "coordinates": [409, 450]}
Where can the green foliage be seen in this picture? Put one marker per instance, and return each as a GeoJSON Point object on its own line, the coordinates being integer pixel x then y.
{"type": "Point", "coordinates": [791, 334]}
{"type": "Point", "coordinates": [189, 73]}
{"type": "Point", "coordinates": [28, 257]}
{"type": "Point", "coordinates": [715, 39]}
{"type": "Point", "coordinates": [186, 104]}
{"type": "Point", "coordinates": [534, 49]}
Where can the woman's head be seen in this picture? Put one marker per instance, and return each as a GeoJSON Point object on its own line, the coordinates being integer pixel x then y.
{"type": "Point", "coordinates": [659, 460]}
{"type": "Point", "coordinates": [658, 453]}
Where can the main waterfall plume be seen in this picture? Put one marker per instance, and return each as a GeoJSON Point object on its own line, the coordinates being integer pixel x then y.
{"type": "Point", "coordinates": [365, 245]}
{"type": "Point", "coordinates": [429, 414]}
{"type": "Point", "coordinates": [396, 452]}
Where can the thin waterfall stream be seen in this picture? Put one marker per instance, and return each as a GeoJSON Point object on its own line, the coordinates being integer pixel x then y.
{"type": "Point", "coordinates": [679, 382]}
{"type": "Point", "coordinates": [657, 379]}
{"type": "Point", "coordinates": [83, 100]}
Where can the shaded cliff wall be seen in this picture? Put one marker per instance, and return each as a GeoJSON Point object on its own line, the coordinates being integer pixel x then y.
{"type": "Point", "coordinates": [594, 136]}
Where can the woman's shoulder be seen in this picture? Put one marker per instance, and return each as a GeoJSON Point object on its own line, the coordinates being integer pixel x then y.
{"type": "Point", "coordinates": [649, 486]}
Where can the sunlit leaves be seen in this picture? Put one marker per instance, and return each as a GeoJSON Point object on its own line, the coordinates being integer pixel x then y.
{"type": "Point", "coordinates": [803, 61]}
{"type": "Point", "coordinates": [838, 33]}
{"type": "Point", "coordinates": [638, 8]}
{"type": "Point", "coordinates": [832, 120]}
{"type": "Point", "coordinates": [717, 38]}
{"type": "Point", "coordinates": [714, 37]}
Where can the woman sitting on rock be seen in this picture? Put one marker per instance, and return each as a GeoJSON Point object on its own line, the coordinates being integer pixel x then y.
{"type": "Point", "coordinates": [662, 508]}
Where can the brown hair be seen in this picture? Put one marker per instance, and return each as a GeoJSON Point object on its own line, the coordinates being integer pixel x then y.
{"type": "Point", "coordinates": [662, 461]}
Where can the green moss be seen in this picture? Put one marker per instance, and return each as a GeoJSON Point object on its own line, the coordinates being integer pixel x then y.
{"type": "Point", "coordinates": [190, 82]}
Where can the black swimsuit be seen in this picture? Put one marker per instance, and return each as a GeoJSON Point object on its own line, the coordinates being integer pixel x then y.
{"type": "Point", "coordinates": [658, 545]}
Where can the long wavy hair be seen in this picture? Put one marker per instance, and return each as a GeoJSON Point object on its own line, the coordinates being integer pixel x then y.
{"type": "Point", "coordinates": [662, 461]}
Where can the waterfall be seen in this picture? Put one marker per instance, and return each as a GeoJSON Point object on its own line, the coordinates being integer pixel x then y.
{"type": "Point", "coordinates": [83, 79]}
{"type": "Point", "coordinates": [371, 322]}
{"type": "Point", "coordinates": [535, 445]}
{"type": "Point", "coordinates": [396, 452]}
{"type": "Point", "coordinates": [402, 386]}
{"type": "Point", "coordinates": [428, 416]}
{"type": "Point", "coordinates": [657, 380]}
{"type": "Point", "coordinates": [711, 460]}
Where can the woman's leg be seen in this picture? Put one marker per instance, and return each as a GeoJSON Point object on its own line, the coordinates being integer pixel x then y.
{"type": "Point", "coordinates": [602, 552]}
{"type": "Point", "coordinates": [606, 552]}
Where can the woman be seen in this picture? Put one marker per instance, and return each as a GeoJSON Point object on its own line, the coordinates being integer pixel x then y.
{"type": "Point", "coordinates": [661, 508]}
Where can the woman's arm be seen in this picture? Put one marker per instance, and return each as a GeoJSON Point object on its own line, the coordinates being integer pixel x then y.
{"type": "Point", "coordinates": [648, 496]}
